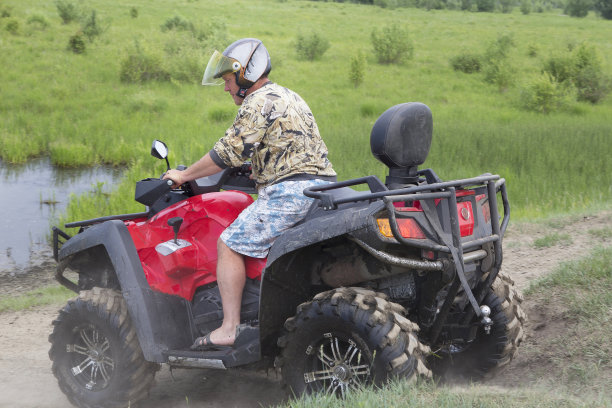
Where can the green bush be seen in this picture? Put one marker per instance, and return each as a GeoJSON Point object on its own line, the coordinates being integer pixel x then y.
{"type": "Point", "coordinates": [67, 11]}
{"type": "Point", "coordinates": [177, 23]}
{"type": "Point", "coordinates": [392, 45]}
{"type": "Point", "coordinates": [604, 7]}
{"type": "Point", "coordinates": [357, 70]}
{"type": "Point", "coordinates": [485, 5]}
{"type": "Point", "coordinates": [506, 6]}
{"type": "Point", "coordinates": [468, 63]}
{"type": "Point", "coordinates": [133, 12]}
{"type": "Point", "coordinates": [544, 95]}
{"type": "Point", "coordinates": [497, 67]}
{"type": "Point", "coordinates": [578, 8]}
{"type": "Point", "coordinates": [141, 66]}
{"type": "Point", "coordinates": [561, 68]}
{"type": "Point", "coordinates": [591, 84]}
{"type": "Point", "coordinates": [38, 21]}
{"type": "Point", "coordinates": [5, 11]}
{"type": "Point", "coordinates": [582, 69]}
{"type": "Point", "coordinates": [311, 47]}
{"type": "Point", "coordinates": [91, 27]}
{"type": "Point", "coordinates": [12, 26]}
{"type": "Point", "coordinates": [76, 43]}
{"type": "Point", "coordinates": [526, 6]}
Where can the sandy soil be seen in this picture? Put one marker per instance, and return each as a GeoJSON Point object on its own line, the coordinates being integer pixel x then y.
{"type": "Point", "coordinates": [26, 369]}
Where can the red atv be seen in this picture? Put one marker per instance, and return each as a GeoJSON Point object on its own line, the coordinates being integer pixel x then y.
{"type": "Point", "coordinates": [395, 281]}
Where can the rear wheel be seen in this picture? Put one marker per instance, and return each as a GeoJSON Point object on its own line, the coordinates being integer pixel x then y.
{"type": "Point", "coordinates": [347, 338]}
{"type": "Point", "coordinates": [488, 353]}
{"type": "Point", "coordinates": [96, 356]}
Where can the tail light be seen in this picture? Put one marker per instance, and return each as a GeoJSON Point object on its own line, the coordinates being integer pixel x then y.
{"type": "Point", "coordinates": [408, 228]}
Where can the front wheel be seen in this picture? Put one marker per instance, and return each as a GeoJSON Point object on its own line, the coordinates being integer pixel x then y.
{"type": "Point", "coordinates": [347, 338]}
{"type": "Point", "coordinates": [96, 356]}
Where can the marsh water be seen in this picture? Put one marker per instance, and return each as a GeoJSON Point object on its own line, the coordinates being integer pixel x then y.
{"type": "Point", "coordinates": [33, 195]}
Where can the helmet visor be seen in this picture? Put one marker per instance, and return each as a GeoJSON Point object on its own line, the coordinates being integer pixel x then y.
{"type": "Point", "coordinates": [219, 65]}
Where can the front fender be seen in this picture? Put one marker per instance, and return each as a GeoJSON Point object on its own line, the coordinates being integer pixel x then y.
{"type": "Point", "coordinates": [161, 320]}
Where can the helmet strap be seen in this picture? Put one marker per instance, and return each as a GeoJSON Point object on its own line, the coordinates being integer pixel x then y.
{"type": "Point", "coordinates": [242, 92]}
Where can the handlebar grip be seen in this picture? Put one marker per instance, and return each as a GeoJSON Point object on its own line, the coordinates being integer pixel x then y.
{"type": "Point", "coordinates": [169, 182]}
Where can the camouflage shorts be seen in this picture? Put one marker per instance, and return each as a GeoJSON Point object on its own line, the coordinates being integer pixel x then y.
{"type": "Point", "coordinates": [278, 208]}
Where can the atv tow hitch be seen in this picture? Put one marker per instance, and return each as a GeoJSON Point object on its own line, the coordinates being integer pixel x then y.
{"type": "Point", "coordinates": [486, 320]}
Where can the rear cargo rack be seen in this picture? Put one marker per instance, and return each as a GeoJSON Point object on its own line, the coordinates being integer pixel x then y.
{"type": "Point", "coordinates": [430, 189]}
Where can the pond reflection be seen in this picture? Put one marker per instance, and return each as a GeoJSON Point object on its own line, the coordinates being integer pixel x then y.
{"type": "Point", "coordinates": [32, 194]}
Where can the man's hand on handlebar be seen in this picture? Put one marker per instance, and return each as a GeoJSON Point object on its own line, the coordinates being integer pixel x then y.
{"type": "Point", "coordinates": [176, 176]}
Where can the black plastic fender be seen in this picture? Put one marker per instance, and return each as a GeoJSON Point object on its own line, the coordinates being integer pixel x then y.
{"type": "Point", "coordinates": [283, 286]}
{"type": "Point", "coordinates": [161, 320]}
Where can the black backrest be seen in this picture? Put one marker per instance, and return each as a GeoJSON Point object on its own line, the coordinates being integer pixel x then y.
{"type": "Point", "coordinates": [401, 136]}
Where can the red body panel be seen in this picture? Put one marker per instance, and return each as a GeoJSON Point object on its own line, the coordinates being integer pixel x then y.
{"type": "Point", "coordinates": [204, 219]}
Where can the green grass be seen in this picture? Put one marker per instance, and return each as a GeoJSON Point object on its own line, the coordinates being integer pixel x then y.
{"type": "Point", "coordinates": [39, 297]}
{"type": "Point", "coordinates": [74, 107]}
{"type": "Point", "coordinates": [428, 394]}
{"type": "Point", "coordinates": [553, 239]}
{"type": "Point", "coordinates": [601, 233]}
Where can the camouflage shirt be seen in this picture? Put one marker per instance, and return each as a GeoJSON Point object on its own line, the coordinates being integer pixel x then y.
{"type": "Point", "coordinates": [275, 129]}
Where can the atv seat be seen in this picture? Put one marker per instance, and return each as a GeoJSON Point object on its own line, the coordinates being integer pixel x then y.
{"type": "Point", "coordinates": [401, 138]}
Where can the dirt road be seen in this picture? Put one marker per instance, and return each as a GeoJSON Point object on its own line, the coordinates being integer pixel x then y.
{"type": "Point", "coordinates": [25, 367]}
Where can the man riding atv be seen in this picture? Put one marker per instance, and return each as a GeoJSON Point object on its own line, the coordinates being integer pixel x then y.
{"type": "Point", "coordinates": [277, 132]}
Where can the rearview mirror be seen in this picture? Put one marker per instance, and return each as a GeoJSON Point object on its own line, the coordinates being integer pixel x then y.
{"type": "Point", "coordinates": [160, 151]}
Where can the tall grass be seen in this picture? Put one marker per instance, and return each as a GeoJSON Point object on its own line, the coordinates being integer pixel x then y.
{"type": "Point", "coordinates": [75, 108]}
{"type": "Point", "coordinates": [428, 394]}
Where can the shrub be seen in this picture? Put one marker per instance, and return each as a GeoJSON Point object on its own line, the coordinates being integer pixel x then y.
{"type": "Point", "coordinates": [12, 26]}
{"type": "Point", "coordinates": [392, 44]}
{"type": "Point", "coordinates": [466, 5]}
{"type": "Point", "coordinates": [591, 84]}
{"type": "Point", "coordinates": [67, 11]}
{"type": "Point", "coordinates": [500, 73]}
{"type": "Point", "coordinates": [560, 67]}
{"type": "Point", "coordinates": [91, 28]}
{"type": "Point", "coordinates": [311, 47]}
{"type": "Point", "coordinates": [177, 23]}
{"type": "Point", "coordinates": [533, 50]}
{"type": "Point", "coordinates": [604, 7]}
{"type": "Point", "coordinates": [497, 68]}
{"type": "Point", "coordinates": [500, 48]}
{"type": "Point", "coordinates": [485, 5]}
{"type": "Point", "coordinates": [39, 21]}
{"type": "Point", "coordinates": [184, 59]}
{"type": "Point", "coordinates": [141, 66]}
{"type": "Point", "coordinates": [506, 6]}
{"type": "Point", "coordinates": [544, 95]}
{"type": "Point", "coordinates": [578, 8]}
{"type": "Point", "coordinates": [133, 12]}
{"type": "Point", "coordinates": [357, 70]}
{"type": "Point", "coordinates": [76, 43]}
{"type": "Point", "coordinates": [5, 11]}
{"type": "Point", "coordinates": [468, 63]}
{"type": "Point", "coordinates": [582, 69]}
{"type": "Point", "coordinates": [526, 6]}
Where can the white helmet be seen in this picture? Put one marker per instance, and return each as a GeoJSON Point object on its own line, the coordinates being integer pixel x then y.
{"type": "Point", "coordinates": [248, 58]}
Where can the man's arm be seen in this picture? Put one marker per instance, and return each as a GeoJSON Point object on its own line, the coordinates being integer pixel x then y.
{"type": "Point", "coordinates": [202, 168]}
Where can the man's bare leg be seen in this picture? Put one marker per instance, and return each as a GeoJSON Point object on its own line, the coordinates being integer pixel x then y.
{"type": "Point", "coordinates": [231, 277]}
